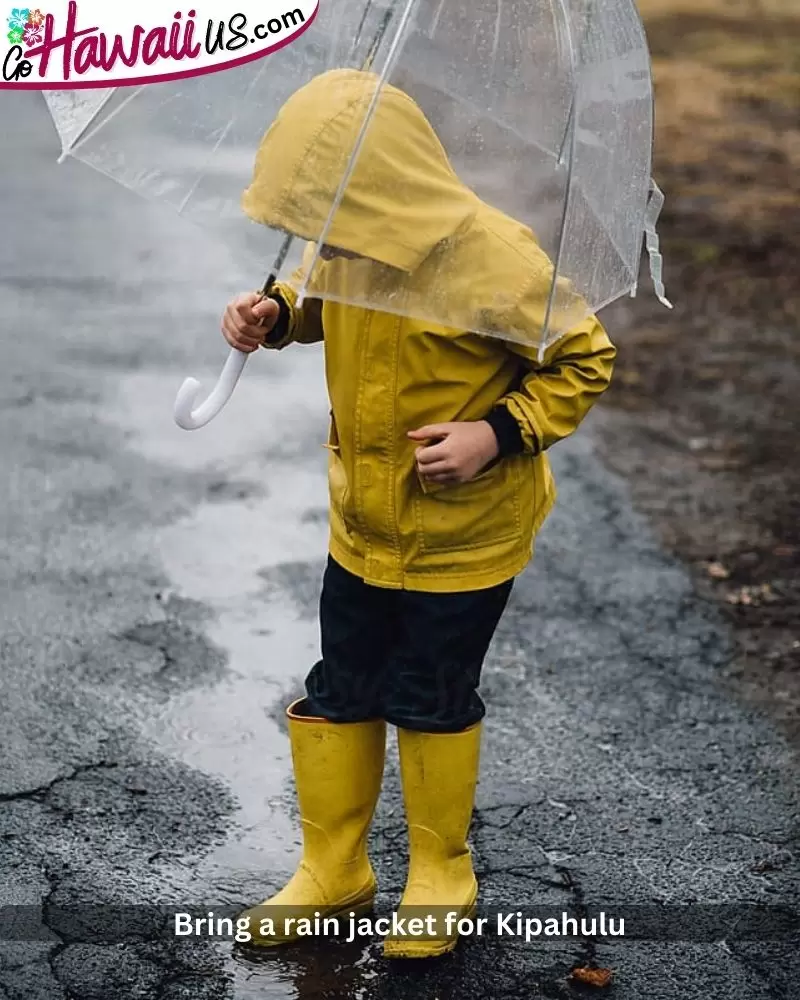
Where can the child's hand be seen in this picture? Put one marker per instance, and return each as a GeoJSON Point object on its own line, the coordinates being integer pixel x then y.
{"type": "Point", "coordinates": [247, 320]}
{"type": "Point", "coordinates": [457, 452]}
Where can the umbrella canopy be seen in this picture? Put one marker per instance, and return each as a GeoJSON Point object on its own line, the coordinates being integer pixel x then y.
{"type": "Point", "coordinates": [530, 116]}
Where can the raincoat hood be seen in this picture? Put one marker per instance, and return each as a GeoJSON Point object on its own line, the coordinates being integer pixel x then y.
{"type": "Point", "coordinates": [403, 197]}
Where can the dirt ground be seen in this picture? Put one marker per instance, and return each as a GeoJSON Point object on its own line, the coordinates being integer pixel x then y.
{"type": "Point", "coordinates": [714, 386]}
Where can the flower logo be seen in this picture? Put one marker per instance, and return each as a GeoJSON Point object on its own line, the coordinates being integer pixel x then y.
{"type": "Point", "coordinates": [18, 19]}
{"type": "Point", "coordinates": [32, 35]}
{"type": "Point", "coordinates": [25, 26]}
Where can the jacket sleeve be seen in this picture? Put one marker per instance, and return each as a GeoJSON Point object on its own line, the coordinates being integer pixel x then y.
{"type": "Point", "coordinates": [555, 395]}
{"type": "Point", "coordinates": [295, 325]}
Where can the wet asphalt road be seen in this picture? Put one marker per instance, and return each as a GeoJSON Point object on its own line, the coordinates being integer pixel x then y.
{"type": "Point", "coordinates": [157, 610]}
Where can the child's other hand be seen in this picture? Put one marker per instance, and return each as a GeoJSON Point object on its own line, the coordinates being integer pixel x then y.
{"type": "Point", "coordinates": [247, 320]}
{"type": "Point", "coordinates": [457, 451]}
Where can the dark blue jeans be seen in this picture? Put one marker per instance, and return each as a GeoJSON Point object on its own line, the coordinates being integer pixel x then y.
{"type": "Point", "coordinates": [411, 658]}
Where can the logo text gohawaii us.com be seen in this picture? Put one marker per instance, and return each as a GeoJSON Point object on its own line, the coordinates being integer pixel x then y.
{"type": "Point", "coordinates": [97, 44]}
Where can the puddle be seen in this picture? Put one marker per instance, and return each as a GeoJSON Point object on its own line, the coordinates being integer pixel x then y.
{"type": "Point", "coordinates": [252, 558]}
{"type": "Point", "coordinates": [220, 556]}
{"type": "Point", "coordinates": [338, 970]}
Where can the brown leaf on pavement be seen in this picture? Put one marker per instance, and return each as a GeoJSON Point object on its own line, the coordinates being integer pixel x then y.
{"type": "Point", "coordinates": [593, 977]}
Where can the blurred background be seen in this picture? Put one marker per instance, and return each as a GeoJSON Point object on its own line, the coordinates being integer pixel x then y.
{"type": "Point", "coordinates": [713, 450]}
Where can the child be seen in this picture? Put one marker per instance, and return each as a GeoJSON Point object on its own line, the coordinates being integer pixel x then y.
{"type": "Point", "coordinates": [438, 481]}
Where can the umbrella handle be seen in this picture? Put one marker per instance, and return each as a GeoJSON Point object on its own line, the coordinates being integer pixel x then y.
{"type": "Point", "coordinates": [190, 416]}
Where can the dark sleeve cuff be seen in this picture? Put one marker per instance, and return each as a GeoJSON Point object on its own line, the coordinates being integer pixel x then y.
{"type": "Point", "coordinates": [506, 430]}
{"type": "Point", "coordinates": [280, 331]}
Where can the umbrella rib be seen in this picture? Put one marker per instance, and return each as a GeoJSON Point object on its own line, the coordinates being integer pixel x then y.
{"type": "Point", "coordinates": [92, 118]}
{"type": "Point", "coordinates": [88, 135]}
{"type": "Point", "coordinates": [362, 133]}
{"type": "Point", "coordinates": [373, 51]}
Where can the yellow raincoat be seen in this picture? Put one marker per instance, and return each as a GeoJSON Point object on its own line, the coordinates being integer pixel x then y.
{"type": "Point", "coordinates": [406, 211]}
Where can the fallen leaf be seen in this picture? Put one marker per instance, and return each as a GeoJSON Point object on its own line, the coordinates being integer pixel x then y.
{"type": "Point", "coordinates": [717, 571]}
{"type": "Point", "coordinates": [593, 977]}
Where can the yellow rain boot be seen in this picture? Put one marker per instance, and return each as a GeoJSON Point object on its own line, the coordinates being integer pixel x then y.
{"type": "Point", "coordinates": [439, 774]}
{"type": "Point", "coordinates": [338, 769]}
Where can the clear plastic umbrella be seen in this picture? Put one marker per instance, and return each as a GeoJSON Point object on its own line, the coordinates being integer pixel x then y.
{"type": "Point", "coordinates": [544, 109]}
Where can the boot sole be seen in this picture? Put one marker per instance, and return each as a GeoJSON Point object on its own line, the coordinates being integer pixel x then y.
{"type": "Point", "coordinates": [360, 906]}
{"type": "Point", "coordinates": [402, 949]}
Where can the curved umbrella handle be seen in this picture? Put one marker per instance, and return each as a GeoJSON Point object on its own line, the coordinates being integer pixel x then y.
{"type": "Point", "coordinates": [191, 417]}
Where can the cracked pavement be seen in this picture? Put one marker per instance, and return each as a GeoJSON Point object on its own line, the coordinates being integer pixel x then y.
{"type": "Point", "coordinates": [158, 611]}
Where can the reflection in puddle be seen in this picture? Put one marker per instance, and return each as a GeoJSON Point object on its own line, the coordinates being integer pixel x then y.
{"type": "Point", "coordinates": [331, 970]}
{"type": "Point", "coordinates": [252, 558]}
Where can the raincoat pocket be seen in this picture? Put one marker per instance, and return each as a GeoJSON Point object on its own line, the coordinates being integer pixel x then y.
{"type": "Point", "coordinates": [430, 487]}
{"type": "Point", "coordinates": [482, 512]}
